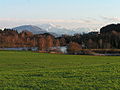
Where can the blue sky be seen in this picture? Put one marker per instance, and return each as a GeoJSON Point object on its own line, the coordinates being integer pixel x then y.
{"type": "Point", "coordinates": [74, 11]}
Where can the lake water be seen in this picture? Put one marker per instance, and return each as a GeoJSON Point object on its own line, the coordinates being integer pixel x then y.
{"type": "Point", "coordinates": [21, 48]}
{"type": "Point", "coordinates": [62, 49]}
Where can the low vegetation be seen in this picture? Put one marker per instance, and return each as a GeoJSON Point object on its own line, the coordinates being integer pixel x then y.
{"type": "Point", "coordinates": [20, 70]}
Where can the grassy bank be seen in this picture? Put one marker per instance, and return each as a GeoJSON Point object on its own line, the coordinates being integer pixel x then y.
{"type": "Point", "coordinates": [27, 70]}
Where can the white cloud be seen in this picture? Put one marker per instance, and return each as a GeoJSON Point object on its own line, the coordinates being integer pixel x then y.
{"type": "Point", "coordinates": [92, 23]}
{"type": "Point", "coordinates": [109, 19]}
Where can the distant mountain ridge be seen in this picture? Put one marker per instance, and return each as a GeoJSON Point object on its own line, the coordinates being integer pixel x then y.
{"type": "Point", "coordinates": [50, 28]}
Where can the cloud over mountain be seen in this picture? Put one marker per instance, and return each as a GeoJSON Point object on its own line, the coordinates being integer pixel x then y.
{"type": "Point", "coordinates": [88, 22]}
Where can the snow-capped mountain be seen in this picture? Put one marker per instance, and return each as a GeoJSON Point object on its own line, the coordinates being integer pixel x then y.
{"type": "Point", "coordinates": [60, 30]}
{"type": "Point", "coordinates": [31, 28]}
{"type": "Point", "coordinates": [56, 29]}
{"type": "Point", "coordinates": [50, 28]}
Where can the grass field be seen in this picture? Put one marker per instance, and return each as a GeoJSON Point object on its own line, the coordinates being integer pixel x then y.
{"type": "Point", "coordinates": [21, 70]}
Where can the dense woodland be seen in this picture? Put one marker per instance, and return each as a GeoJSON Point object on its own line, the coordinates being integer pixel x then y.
{"type": "Point", "coordinates": [107, 38]}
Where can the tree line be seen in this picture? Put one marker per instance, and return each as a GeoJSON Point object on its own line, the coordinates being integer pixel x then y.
{"type": "Point", "coordinates": [107, 38]}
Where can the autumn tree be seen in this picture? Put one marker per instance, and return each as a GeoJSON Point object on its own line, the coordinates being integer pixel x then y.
{"type": "Point", "coordinates": [57, 43]}
{"type": "Point", "coordinates": [42, 43]}
{"type": "Point", "coordinates": [49, 41]}
{"type": "Point", "coordinates": [74, 47]}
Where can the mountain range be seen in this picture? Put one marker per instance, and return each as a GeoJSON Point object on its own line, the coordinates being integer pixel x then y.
{"type": "Point", "coordinates": [50, 28]}
{"type": "Point", "coordinates": [31, 28]}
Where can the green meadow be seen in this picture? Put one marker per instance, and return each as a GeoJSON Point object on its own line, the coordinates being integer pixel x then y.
{"type": "Point", "coordinates": [20, 70]}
